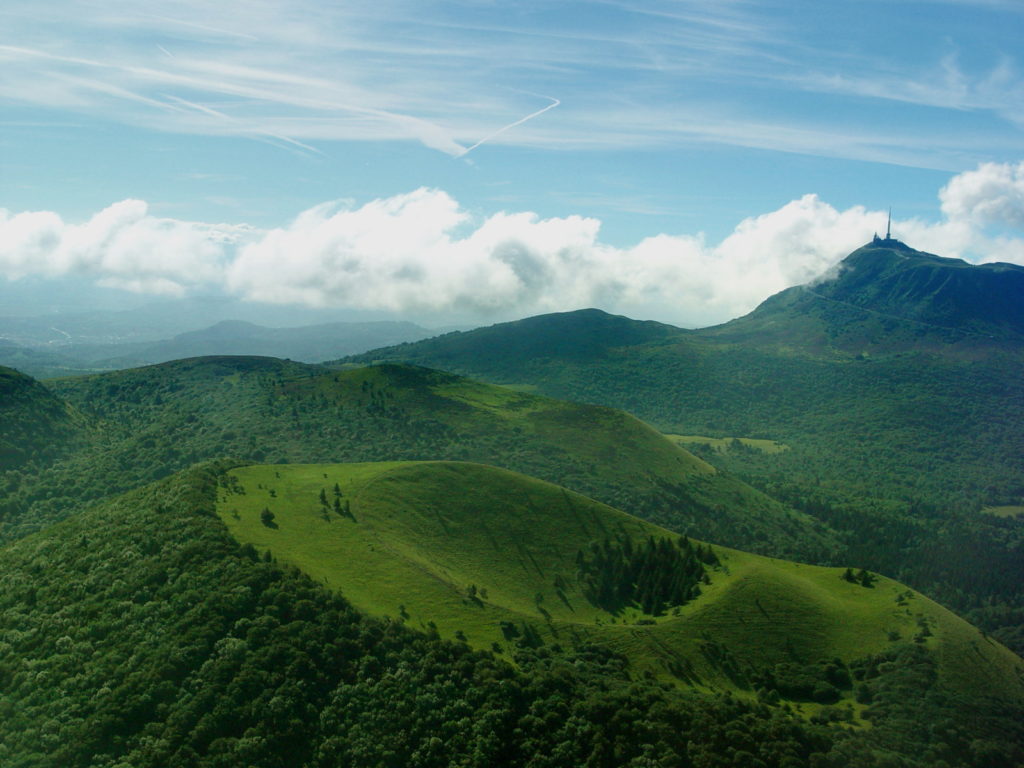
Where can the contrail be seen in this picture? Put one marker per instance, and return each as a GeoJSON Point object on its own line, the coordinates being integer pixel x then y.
{"type": "Point", "coordinates": [204, 28]}
{"type": "Point", "coordinates": [554, 103]}
{"type": "Point", "coordinates": [256, 131]}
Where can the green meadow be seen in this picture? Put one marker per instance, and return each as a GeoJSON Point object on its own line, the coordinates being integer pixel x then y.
{"type": "Point", "coordinates": [723, 444]}
{"type": "Point", "coordinates": [489, 556]}
{"type": "Point", "coordinates": [1009, 510]}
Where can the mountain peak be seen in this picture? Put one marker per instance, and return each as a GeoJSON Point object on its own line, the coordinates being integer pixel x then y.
{"type": "Point", "coordinates": [888, 295]}
{"type": "Point", "coordinates": [579, 334]}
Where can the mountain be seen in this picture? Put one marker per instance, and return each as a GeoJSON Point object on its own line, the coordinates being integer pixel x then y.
{"type": "Point", "coordinates": [310, 343]}
{"type": "Point", "coordinates": [888, 297]}
{"type": "Point", "coordinates": [38, 362]}
{"type": "Point", "coordinates": [900, 429]}
{"type": "Point", "coordinates": [587, 334]}
{"type": "Point", "coordinates": [141, 633]}
{"type": "Point", "coordinates": [154, 321]}
{"type": "Point", "coordinates": [63, 353]}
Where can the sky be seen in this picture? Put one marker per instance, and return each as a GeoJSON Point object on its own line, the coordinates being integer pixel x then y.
{"type": "Point", "coordinates": [480, 161]}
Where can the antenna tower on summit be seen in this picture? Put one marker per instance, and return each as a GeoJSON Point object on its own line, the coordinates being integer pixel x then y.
{"type": "Point", "coordinates": [888, 231]}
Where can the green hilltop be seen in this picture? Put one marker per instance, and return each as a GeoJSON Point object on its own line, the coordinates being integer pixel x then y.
{"type": "Point", "coordinates": [498, 559]}
{"type": "Point", "coordinates": [151, 421]}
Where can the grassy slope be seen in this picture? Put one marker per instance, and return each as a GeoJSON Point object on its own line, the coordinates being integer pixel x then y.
{"type": "Point", "coordinates": [596, 443]}
{"type": "Point", "coordinates": [159, 419]}
{"type": "Point", "coordinates": [423, 533]}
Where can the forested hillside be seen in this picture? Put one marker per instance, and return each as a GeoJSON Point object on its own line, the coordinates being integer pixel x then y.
{"type": "Point", "coordinates": [152, 421]}
{"type": "Point", "coordinates": [174, 646]}
{"type": "Point", "coordinates": [35, 426]}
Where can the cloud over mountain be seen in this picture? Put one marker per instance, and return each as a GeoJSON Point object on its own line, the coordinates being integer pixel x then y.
{"type": "Point", "coordinates": [422, 254]}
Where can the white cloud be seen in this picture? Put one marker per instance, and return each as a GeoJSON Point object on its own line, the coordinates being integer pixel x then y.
{"type": "Point", "coordinates": [421, 254]}
{"type": "Point", "coordinates": [992, 194]}
{"type": "Point", "coordinates": [121, 246]}
{"type": "Point", "coordinates": [405, 254]}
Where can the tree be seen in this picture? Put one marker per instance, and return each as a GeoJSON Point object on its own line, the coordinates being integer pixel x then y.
{"type": "Point", "coordinates": [866, 578]}
{"type": "Point", "coordinates": [267, 518]}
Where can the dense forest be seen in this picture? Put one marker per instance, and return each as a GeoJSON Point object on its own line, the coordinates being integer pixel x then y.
{"type": "Point", "coordinates": [35, 426]}
{"type": "Point", "coordinates": [654, 576]}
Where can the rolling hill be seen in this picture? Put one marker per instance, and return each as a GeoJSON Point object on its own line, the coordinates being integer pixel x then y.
{"type": "Point", "coordinates": [140, 633]}
{"type": "Point", "coordinates": [490, 556]}
{"type": "Point", "coordinates": [945, 424]}
{"type": "Point", "coordinates": [152, 421]}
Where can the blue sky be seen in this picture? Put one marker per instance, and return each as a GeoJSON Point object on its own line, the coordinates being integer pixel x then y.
{"type": "Point", "coordinates": [678, 160]}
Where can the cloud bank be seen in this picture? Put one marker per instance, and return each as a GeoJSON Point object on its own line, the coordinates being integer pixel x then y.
{"type": "Point", "coordinates": [422, 255]}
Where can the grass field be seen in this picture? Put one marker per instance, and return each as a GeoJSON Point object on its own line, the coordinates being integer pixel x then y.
{"type": "Point", "coordinates": [465, 547]}
{"type": "Point", "coordinates": [723, 444]}
{"type": "Point", "coordinates": [1005, 511]}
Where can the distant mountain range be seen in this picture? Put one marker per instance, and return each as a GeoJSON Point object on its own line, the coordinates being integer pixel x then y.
{"type": "Point", "coordinates": [883, 297]}
{"type": "Point", "coordinates": [919, 347]}
{"type": "Point", "coordinates": [311, 343]}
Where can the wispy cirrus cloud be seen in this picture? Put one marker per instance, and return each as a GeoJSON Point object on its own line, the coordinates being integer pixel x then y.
{"type": "Point", "coordinates": [944, 85]}
{"type": "Point", "coordinates": [451, 75]}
